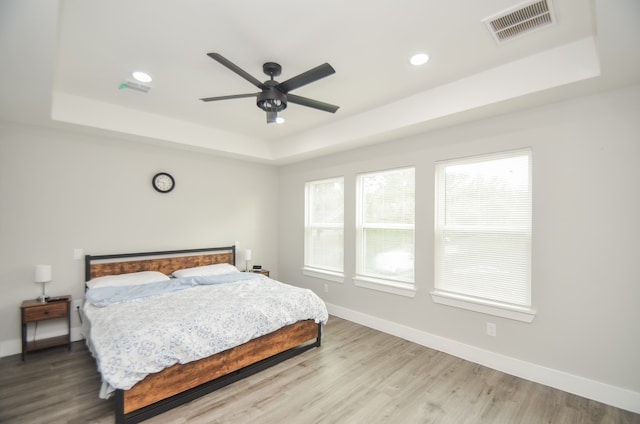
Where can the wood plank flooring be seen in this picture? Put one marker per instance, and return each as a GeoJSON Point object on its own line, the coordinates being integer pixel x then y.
{"type": "Point", "coordinates": [359, 375]}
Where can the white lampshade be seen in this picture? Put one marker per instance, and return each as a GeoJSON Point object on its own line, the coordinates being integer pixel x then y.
{"type": "Point", "coordinates": [43, 273]}
{"type": "Point", "coordinates": [247, 255]}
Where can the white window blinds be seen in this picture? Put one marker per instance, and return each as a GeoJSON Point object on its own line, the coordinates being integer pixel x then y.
{"type": "Point", "coordinates": [324, 224]}
{"type": "Point", "coordinates": [483, 227]}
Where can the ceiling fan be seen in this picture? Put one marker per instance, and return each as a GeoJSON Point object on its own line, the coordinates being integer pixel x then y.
{"type": "Point", "coordinates": [274, 95]}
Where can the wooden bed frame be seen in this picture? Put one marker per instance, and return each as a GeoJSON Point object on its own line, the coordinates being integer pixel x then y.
{"type": "Point", "coordinates": [182, 383]}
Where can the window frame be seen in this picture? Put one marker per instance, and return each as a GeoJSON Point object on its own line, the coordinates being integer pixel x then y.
{"type": "Point", "coordinates": [469, 301]}
{"type": "Point", "coordinates": [309, 268]}
{"type": "Point", "coordinates": [399, 286]}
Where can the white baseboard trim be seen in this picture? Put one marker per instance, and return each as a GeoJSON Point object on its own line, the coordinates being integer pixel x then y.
{"type": "Point", "coordinates": [590, 389]}
{"type": "Point", "coordinates": [14, 346]}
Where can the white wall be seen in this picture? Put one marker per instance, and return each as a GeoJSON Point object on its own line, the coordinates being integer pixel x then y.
{"type": "Point", "coordinates": [586, 244]}
{"type": "Point", "coordinates": [61, 190]}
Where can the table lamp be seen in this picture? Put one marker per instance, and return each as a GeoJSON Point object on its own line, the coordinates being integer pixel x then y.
{"type": "Point", "coordinates": [43, 275]}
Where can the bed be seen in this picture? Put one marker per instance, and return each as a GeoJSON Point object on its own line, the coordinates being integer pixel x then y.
{"type": "Point", "coordinates": [157, 341]}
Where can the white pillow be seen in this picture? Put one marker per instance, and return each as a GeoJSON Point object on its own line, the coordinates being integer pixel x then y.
{"type": "Point", "coordinates": [205, 271]}
{"type": "Point", "coordinates": [132, 279]}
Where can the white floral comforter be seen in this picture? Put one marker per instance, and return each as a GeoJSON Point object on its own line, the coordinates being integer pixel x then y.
{"type": "Point", "coordinates": [133, 338]}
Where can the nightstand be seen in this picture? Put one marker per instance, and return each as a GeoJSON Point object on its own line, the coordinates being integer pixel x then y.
{"type": "Point", "coordinates": [34, 311]}
{"type": "Point", "coordinates": [264, 272]}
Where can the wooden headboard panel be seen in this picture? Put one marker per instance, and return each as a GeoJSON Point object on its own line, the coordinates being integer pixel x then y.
{"type": "Point", "coordinates": [165, 262]}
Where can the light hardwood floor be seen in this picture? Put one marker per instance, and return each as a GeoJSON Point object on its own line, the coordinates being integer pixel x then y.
{"type": "Point", "coordinates": [359, 375]}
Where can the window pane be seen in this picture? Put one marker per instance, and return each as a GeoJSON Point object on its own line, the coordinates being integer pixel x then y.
{"type": "Point", "coordinates": [389, 253]}
{"type": "Point", "coordinates": [489, 193]}
{"type": "Point", "coordinates": [326, 248]}
{"type": "Point", "coordinates": [389, 197]}
{"type": "Point", "coordinates": [487, 265]}
{"type": "Point", "coordinates": [326, 201]}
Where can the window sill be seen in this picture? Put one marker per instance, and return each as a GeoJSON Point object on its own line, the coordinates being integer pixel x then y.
{"type": "Point", "coordinates": [388, 286]}
{"type": "Point", "coordinates": [518, 313]}
{"type": "Point", "coordinates": [324, 274]}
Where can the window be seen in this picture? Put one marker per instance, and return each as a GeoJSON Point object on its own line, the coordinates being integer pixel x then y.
{"type": "Point", "coordinates": [324, 229]}
{"type": "Point", "coordinates": [385, 231]}
{"type": "Point", "coordinates": [483, 234]}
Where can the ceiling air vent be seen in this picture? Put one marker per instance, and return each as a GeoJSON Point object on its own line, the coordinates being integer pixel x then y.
{"type": "Point", "coordinates": [524, 18]}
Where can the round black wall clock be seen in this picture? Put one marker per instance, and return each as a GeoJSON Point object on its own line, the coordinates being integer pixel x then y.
{"type": "Point", "coordinates": [163, 182]}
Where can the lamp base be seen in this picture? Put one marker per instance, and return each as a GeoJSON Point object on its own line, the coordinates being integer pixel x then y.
{"type": "Point", "coordinates": [43, 297]}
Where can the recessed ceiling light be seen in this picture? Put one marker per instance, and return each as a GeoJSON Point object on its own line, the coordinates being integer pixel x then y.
{"type": "Point", "coordinates": [142, 76]}
{"type": "Point", "coordinates": [419, 59]}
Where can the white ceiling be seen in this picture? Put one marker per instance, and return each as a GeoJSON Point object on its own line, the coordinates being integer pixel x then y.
{"type": "Point", "coordinates": [64, 61]}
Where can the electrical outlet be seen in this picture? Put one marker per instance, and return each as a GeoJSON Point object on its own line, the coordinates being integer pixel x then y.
{"type": "Point", "coordinates": [326, 288]}
{"type": "Point", "coordinates": [491, 329]}
{"type": "Point", "coordinates": [78, 254]}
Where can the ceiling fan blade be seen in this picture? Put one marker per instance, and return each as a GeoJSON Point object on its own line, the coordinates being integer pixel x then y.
{"type": "Point", "coordinates": [271, 117]}
{"type": "Point", "coordinates": [305, 78]}
{"type": "Point", "coordinates": [233, 96]}
{"type": "Point", "coordinates": [235, 68]}
{"type": "Point", "coordinates": [292, 98]}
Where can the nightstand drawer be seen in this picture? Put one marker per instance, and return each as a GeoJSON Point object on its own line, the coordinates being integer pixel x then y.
{"type": "Point", "coordinates": [46, 311]}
